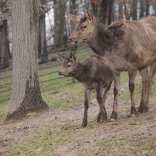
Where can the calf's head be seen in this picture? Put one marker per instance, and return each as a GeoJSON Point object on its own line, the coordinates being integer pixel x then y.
{"type": "Point", "coordinates": [68, 65]}
{"type": "Point", "coordinates": [84, 28]}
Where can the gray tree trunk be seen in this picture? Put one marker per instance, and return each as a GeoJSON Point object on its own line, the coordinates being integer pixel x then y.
{"type": "Point", "coordinates": [134, 14]}
{"type": "Point", "coordinates": [4, 46]}
{"type": "Point", "coordinates": [147, 8]}
{"type": "Point", "coordinates": [26, 94]}
{"type": "Point", "coordinates": [59, 20]}
{"type": "Point", "coordinates": [42, 36]}
{"type": "Point", "coordinates": [42, 40]}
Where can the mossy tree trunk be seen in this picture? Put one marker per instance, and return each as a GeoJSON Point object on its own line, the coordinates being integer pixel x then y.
{"type": "Point", "coordinates": [26, 94]}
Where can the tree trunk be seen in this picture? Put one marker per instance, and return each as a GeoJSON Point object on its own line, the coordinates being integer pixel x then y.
{"type": "Point", "coordinates": [72, 11]}
{"type": "Point", "coordinates": [141, 9]}
{"type": "Point", "coordinates": [59, 20]}
{"type": "Point", "coordinates": [134, 14]}
{"type": "Point", "coordinates": [111, 3]}
{"type": "Point", "coordinates": [104, 11]}
{"type": "Point", "coordinates": [147, 8]}
{"type": "Point", "coordinates": [26, 94]}
{"type": "Point", "coordinates": [42, 40]}
{"type": "Point", "coordinates": [4, 46]}
{"type": "Point", "coordinates": [120, 11]}
{"type": "Point", "coordinates": [94, 8]}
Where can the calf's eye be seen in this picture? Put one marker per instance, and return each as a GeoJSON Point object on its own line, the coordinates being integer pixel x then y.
{"type": "Point", "coordinates": [69, 65]}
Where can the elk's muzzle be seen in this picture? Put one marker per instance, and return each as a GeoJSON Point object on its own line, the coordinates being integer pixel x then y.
{"type": "Point", "coordinates": [61, 74]}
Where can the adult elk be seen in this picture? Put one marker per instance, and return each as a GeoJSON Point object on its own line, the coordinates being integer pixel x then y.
{"type": "Point", "coordinates": [94, 74]}
{"type": "Point", "coordinates": [127, 45]}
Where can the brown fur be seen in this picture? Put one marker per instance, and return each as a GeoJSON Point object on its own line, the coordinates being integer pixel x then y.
{"type": "Point", "coordinates": [127, 45]}
{"type": "Point", "coordinates": [94, 74]}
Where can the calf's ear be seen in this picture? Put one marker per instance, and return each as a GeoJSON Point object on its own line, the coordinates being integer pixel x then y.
{"type": "Point", "coordinates": [72, 57]}
{"type": "Point", "coordinates": [74, 18]}
{"type": "Point", "coordinates": [62, 58]}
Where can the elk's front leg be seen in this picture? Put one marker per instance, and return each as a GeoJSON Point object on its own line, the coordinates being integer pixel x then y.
{"type": "Point", "coordinates": [132, 75]}
{"type": "Point", "coordinates": [88, 97]}
{"type": "Point", "coordinates": [116, 95]}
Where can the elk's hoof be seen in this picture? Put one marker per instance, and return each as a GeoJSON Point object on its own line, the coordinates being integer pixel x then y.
{"type": "Point", "coordinates": [114, 116]}
{"type": "Point", "coordinates": [133, 111]}
{"type": "Point", "coordinates": [84, 125]}
{"type": "Point", "coordinates": [98, 117]}
{"type": "Point", "coordinates": [143, 109]}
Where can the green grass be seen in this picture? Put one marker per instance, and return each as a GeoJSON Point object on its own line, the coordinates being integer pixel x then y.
{"type": "Point", "coordinates": [43, 142]}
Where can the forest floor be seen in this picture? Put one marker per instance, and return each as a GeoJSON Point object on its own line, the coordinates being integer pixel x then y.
{"type": "Point", "coordinates": [58, 132]}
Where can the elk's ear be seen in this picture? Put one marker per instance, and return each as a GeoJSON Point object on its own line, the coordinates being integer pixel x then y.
{"type": "Point", "coordinates": [89, 16]}
{"type": "Point", "coordinates": [74, 18]}
{"type": "Point", "coordinates": [62, 58]}
{"type": "Point", "coordinates": [72, 57]}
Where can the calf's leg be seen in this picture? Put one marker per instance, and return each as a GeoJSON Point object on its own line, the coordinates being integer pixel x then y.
{"type": "Point", "coordinates": [100, 99]}
{"type": "Point", "coordinates": [88, 97]}
{"type": "Point", "coordinates": [104, 98]}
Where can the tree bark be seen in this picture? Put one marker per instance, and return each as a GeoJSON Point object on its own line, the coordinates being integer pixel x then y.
{"type": "Point", "coordinates": [26, 94]}
{"type": "Point", "coordinates": [4, 46]}
{"type": "Point", "coordinates": [42, 40]}
{"type": "Point", "coordinates": [147, 8]}
{"type": "Point", "coordinates": [59, 19]}
{"type": "Point", "coordinates": [111, 3]}
{"type": "Point", "coordinates": [134, 14]}
{"type": "Point", "coordinates": [104, 11]}
{"type": "Point", "coordinates": [42, 49]}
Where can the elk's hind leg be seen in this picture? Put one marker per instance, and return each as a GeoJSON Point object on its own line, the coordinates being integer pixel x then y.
{"type": "Point", "coordinates": [145, 88]}
{"type": "Point", "coordinates": [151, 75]}
{"type": "Point", "coordinates": [114, 115]}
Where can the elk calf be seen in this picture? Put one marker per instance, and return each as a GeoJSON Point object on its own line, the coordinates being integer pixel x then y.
{"type": "Point", "coordinates": [94, 74]}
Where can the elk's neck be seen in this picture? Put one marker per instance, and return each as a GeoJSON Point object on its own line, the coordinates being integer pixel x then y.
{"type": "Point", "coordinates": [100, 43]}
{"type": "Point", "coordinates": [81, 72]}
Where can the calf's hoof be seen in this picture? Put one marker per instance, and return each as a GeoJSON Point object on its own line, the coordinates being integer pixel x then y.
{"type": "Point", "coordinates": [84, 125]}
{"type": "Point", "coordinates": [114, 116]}
{"type": "Point", "coordinates": [98, 117]}
{"type": "Point", "coordinates": [133, 111]}
{"type": "Point", "coordinates": [104, 118]}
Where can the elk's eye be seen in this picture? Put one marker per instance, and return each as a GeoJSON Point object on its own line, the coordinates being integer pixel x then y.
{"type": "Point", "coordinates": [83, 27]}
{"type": "Point", "coordinates": [68, 65]}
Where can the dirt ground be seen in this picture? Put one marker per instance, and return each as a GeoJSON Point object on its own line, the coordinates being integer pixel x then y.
{"type": "Point", "coordinates": [127, 136]}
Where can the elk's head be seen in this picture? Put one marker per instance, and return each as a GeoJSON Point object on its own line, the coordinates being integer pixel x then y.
{"type": "Point", "coordinates": [83, 29]}
{"type": "Point", "coordinates": [68, 65]}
